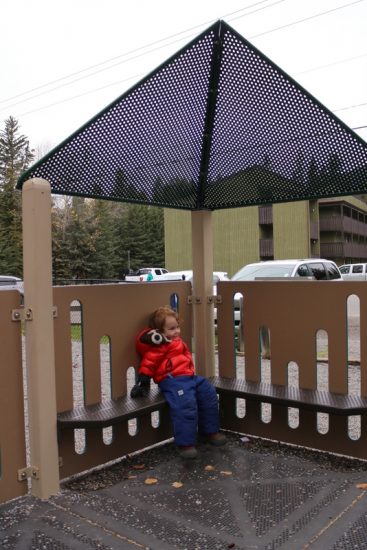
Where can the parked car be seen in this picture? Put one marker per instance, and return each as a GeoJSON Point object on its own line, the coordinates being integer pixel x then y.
{"type": "Point", "coordinates": [186, 275]}
{"type": "Point", "coordinates": [314, 268]}
{"type": "Point", "coordinates": [142, 274]}
{"type": "Point", "coordinates": [309, 269]}
{"type": "Point", "coordinates": [354, 272]}
{"type": "Point", "coordinates": [8, 282]}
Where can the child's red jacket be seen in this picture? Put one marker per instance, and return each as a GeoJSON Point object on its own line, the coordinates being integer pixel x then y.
{"type": "Point", "coordinates": [158, 361]}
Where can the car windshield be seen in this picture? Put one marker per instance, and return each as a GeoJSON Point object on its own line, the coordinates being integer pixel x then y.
{"type": "Point", "coordinates": [250, 272]}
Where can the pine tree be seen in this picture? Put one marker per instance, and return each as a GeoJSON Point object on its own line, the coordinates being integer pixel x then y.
{"type": "Point", "coordinates": [15, 157]}
{"type": "Point", "coordinates": [105, 262]}
{"type": "Point", "coordinates": [156, 231]}
{"type": "Point", "coordinates": [138, 240]}
{"type": "Point", "coordinates": [61, 219]}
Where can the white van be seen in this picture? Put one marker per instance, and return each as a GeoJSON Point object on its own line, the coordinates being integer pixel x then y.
{"type": "Point", "coordinates": [354, 272]}
{"type": "Point", "coordinates": [8, 282]}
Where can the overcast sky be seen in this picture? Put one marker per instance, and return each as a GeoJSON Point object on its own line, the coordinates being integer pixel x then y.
{"type": "Point", "coordinates": [63, 61]}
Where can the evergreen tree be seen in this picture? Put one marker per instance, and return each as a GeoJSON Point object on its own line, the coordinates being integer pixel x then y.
{"type": "Point", "coordinates": [61, 219]}
{"type": "Point", "coordinates": [156, 232]}
{"type": "Point", "coordinates": [15, 157]}
{"type": "Point", "coordinates": [73, 240]}
{"type": "Point", "coordinates": [105, 262]}
{"type": "Point", "coordinates": [100, 239]}
{"type": "Point", "coordinates": [138, 240]}
{"type": "Point", "coordinates": [120, 215]}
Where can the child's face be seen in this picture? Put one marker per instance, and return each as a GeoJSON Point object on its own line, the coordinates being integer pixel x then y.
{"type": "Point", "coordinates": [171, 328]}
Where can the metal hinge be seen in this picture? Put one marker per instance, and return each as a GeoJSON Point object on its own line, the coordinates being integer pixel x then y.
{"type": "Point", "coordinates": [22, 314]}
{"type": "Point", "coordinates": [215, 299]}
{"type": "Point", "coordinates": [193, 300]}
{"type": "Point", "coordinates": [31, 472]}
{"type": "Point", "coordinates": [26, 314]}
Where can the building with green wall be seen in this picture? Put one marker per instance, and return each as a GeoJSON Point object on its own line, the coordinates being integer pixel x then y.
{"type": "Point", "coordinates": [335, 229]}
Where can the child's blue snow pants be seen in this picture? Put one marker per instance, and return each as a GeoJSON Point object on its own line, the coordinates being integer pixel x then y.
{"type": "Point", "coordinates": [193, 405]}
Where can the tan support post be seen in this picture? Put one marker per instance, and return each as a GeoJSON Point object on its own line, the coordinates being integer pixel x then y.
{"type": "Point", "coordinates": [40, 356]}
{"type": "Point", "coordinates": [202, 261]}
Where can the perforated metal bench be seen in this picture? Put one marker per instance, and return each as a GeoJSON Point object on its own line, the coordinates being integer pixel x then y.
{"type": "Point", "coordinates": [320, 401]}
{"type": "Point", "coordinates": [111, 412]}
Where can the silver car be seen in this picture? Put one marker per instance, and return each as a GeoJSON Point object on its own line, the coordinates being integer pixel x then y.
{"type": "Point", "coordinates": [314, 268]}
{"type": "Point", "coordinates": [309, 269]}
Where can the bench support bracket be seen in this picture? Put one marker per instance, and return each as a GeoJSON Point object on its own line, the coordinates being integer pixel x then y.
{"type": "Point", "coordinates": [31, 472]}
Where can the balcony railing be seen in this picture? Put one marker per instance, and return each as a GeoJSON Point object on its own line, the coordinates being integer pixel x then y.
{"type": "Point", "coordinates": [343, 250]}
{"type": "Point", "coordinates": [266, 247]}
{"type": "Point", "coordinates": [343, 223]}
{"type": "Point", "coordinates": [266, 214]}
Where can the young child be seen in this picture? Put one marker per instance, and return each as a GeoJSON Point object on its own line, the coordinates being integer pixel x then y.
{"type": "Point", "coordinates": [193, 401]}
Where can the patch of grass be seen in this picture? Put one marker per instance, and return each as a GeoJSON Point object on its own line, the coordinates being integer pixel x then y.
{"type": "Point", "coordinates": [76, 334]}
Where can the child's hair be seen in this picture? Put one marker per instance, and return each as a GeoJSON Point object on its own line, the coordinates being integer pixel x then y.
{"type": "Point", "coordinates": [158, 317]}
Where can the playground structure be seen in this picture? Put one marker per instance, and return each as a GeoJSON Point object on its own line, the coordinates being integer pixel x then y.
{"type": "Point", "coordinates": [214, 163]}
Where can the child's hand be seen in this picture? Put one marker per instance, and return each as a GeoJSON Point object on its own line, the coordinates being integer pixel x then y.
{"type": "Point", "coordinates": [142, 386]}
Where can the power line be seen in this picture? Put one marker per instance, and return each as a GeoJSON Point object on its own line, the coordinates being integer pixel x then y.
{"type": "Point", "coordinates": [154, 49]}
{"type": "Point", "coordinates": [77, 96]}
{"type": "Point", "coordinates": [304, 19]}
{"type": "Point", "coordinates": [338, 62]}
{"type": "Point", "coordinates": [65, 100]}
{"type": "Point", "coordinates": [350, 107]}
{"type": "Point", "coordinates": [76, 73]}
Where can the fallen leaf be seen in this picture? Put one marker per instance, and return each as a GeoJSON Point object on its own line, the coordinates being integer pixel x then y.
{"type": "Point", "coordinates": [361, 486]}
{"type": "Point", "coordinates": [150, 481]}
{"type": "Point", "coordinates": [209, 468]}
{"type": "Point", "coordinates": [138, 466]}
{"type": "Point", "coordinates": [132, 477]}
{"type": "Point", "coordinates": [226, 473]}
{"type": "Point", "coordinates": [177, 484]}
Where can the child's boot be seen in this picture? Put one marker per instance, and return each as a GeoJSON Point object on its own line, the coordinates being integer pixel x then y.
{"type": "Point", "coordinates": [188, 452]}
{"type": "Point", "coordinates": [217, 439]}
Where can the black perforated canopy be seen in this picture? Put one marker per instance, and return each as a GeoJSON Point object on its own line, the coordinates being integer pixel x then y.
{"type": "Point", "coordinates": [218, 125]}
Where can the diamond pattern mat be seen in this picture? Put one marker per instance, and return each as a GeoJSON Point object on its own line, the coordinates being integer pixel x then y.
{"type": "Point", "coordinates": [248, 494]}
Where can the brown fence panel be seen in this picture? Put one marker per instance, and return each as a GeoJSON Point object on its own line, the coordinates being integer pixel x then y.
{"type": "Point", "coordinates": [115, 314]}
{"type": "Point", "coordinates": [12, 432]}
{"type": "Point", "coordinates": [293, 312]}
